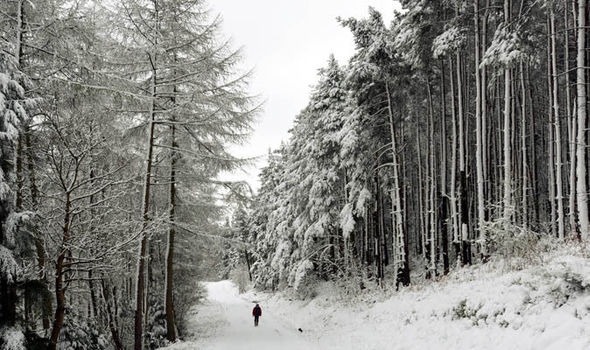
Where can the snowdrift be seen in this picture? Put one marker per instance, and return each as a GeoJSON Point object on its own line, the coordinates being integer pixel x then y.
{"type": "Point", "coordinates": [491, 306]}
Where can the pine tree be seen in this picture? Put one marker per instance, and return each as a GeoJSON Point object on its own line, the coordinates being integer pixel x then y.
{"type": "Point", "coordinates": [12, 108]}
{"type": "Point", "coordinates": [581, 185]}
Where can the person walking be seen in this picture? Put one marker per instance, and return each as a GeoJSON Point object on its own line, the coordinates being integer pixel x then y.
{"type": "Point", "coordinates": [257, 313]}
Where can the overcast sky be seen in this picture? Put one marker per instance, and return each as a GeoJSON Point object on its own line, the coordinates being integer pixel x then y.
{"type": "Point", "coordinates": [286, 42]}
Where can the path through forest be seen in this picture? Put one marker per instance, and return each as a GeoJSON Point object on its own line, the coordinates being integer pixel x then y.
{"type": "Point", "coordinates": [225, 322]}
{"type": "Point", "coordinates": [482, 307]}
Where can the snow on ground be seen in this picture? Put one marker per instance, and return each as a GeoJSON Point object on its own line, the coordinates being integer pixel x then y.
{"type": "Point", "coordinates": [546, 306]}
{"type": "Point", "coordinates": [225, 322]}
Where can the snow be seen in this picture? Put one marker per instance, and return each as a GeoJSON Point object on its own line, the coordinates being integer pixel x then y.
{"type": "Point", "coordinates": [347, 222]}
{"type": "Point", "coordinates": [9, 268]}
{"type": "Point", "coordinates": [449, 41]}
{"type": "Point", "coordinates": [225, 322]}
{"type": "Point", "coordinates": [303, 269]}
{"type": "Point", "coordinates": [544, 307]}
{"type": "Point", "coordinates": [490, 306]}
{"type": "Point", "coordinates": [12, 339]}
{"type": "Point", "coordinates": [223, 292]}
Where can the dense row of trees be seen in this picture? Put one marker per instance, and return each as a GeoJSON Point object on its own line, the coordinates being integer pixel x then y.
{"type": "Point", "coordinates": [115, 120]}
{"type": "Point", "coordinates": [456, 132]}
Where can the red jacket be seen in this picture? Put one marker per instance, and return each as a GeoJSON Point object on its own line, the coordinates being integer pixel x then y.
{"type": "Point", "coordinates": [256, 311]}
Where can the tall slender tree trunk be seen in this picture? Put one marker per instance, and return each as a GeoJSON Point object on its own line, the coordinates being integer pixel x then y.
{"type": "Point", "coordinates": [497, 140]}
{"type": "Point", "coordinates": [443, 131]}
{"type": "Point", "coordinates": [479, 135]}
{"type": "Point", "coordinates": [443, 197]}
{"type": "Point", "coordinates": [19, 173]}
{"type": "Point", "coordinates": [169, 304]}
{"type": "Point", "coordinates": [60, 297]}
{"type": "Point", "coordinates": [524, 155]}
{"type": "Point", "coordinates": [19, 165]}
{"type": "Point", "coordinates": [148, 278]}
{"type": "Point", "coordinates": [581, 184]}
{"type": "Point", "coordinates": [111, 316]}
{"type": "Point", "coordinates": [421, 196]}
{"type": "Point", "coordinates": [557, 126]}
{"type": "Point", "coordinates": [378, 223]}
{"type": "Point", "coordinates": [551, 144]}
{"type": "Point", "coordinates": [169, 298]}
{"type": "Point", "coordinates": [508, 206]}
{"type": "Point", "coordinates": [143, 259]}
{"type": "Point", "coordinates": [453, 191]}
{"type": "Point", "coordinates": [400, 251]}
{"type": "Point", "coordinates": [20, 15]}
{"type": "Point", "coordinates": [462, 192]}
{"type": "Point", "coordinates": [140, 282]}
{"type": "Point", "coordinates": [432, 205]}
{"type": "Point", "coordinates": [484, 110]}
{"type": "Point", "coordinates": [571, 122]}
{"type": "Point", "coordinates": [533, 153]}
{"type": "Point", "coordinates": [93, 300]}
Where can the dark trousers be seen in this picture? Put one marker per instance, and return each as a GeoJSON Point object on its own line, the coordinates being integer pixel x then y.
{"type": "Point", "coordinates": [256, 320]}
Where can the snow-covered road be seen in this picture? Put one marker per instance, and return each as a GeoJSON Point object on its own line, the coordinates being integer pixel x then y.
{"type": "Point", "coordinates": [225, 322]}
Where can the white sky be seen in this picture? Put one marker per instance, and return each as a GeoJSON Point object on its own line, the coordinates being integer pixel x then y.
{"type": "Point", "coordinates": [286, 42]}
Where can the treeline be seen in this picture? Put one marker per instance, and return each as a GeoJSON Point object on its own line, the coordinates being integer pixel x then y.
{"type": "Point", "coordinates": [115, 122]}
{"type": "Point", "coordinates": [455, 133]}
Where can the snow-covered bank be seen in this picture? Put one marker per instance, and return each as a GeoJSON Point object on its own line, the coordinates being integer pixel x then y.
{"type": "Point", "coordinates": [545, 306]}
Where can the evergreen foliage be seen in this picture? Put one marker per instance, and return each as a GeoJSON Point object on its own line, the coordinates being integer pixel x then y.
{"type": "Point", "coordinates": [380, 175]}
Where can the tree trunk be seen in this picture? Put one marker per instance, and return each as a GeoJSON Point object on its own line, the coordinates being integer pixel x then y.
{"type": "Point", "coordinates": [443, 197]}
{"type": "Point", "coordinates": [432, 206]}
{"type": "Point", "coordinates": [453, 191]}
{"type": "Point", "coordinates": [140, 285]}
{"type": "Point", "coordinates": [400, 256]}
{"type": "Point", "coordinates": [422, 228]}
{"type": "Point", "coordinates": [19, 173]}
{"type": "Point", "coordinates": [479, 134]}
{"type": "Point", "coordinates": [523, 133]}
{"type": "Point", "coordinates": [59, 279]}
{"type": "Point", "coordinates": [248, 264]}
{"type": "Point", "coordinates": [93, 300]}
{"type": "Point", "coordinates": [508, 207]}
{"type": "Point", "coordinates": [465, 253]}
{"type": "Point", "coordinates": [443, 131]}
{"type": "Point", "coordinates": [534, 189]}
{"type": "Point", "coordinates": [169, 299]}
{"type": "Point", "coordinates": [551, 144]}
{"type": "Point", "coordinates": [581, 184]}
{"type": "Point", "coordinates": [378, 220]}
{"type": "Point", "coordinates": [557, 126]}
{"type": "Point", "coordinates": [484, 112]}
{"type": "Point", "coordinates": [444, 211]}
{"type": "Point", "coordinates": [571, 123]}
{"type": "Point", "coordinates": [111, 317]}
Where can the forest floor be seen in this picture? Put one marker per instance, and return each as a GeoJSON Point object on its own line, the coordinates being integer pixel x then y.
{"type": "Point", "coordinates": [525, 304]}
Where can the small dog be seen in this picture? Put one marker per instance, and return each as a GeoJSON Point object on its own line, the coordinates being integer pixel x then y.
{"type": "Point", "coordinates": [300, 330]}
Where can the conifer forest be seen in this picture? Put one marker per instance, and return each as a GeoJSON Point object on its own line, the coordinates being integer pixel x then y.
{"type": "Point", "coordinates": [455, 137]}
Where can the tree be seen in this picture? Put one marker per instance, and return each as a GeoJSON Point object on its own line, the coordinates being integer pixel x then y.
{"type": "Point", "coordinates": [398, 85]}
{"type": "Point", "coordinates": [12, 108]}
{"type": "Point", "coordinates": [581, 184]}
